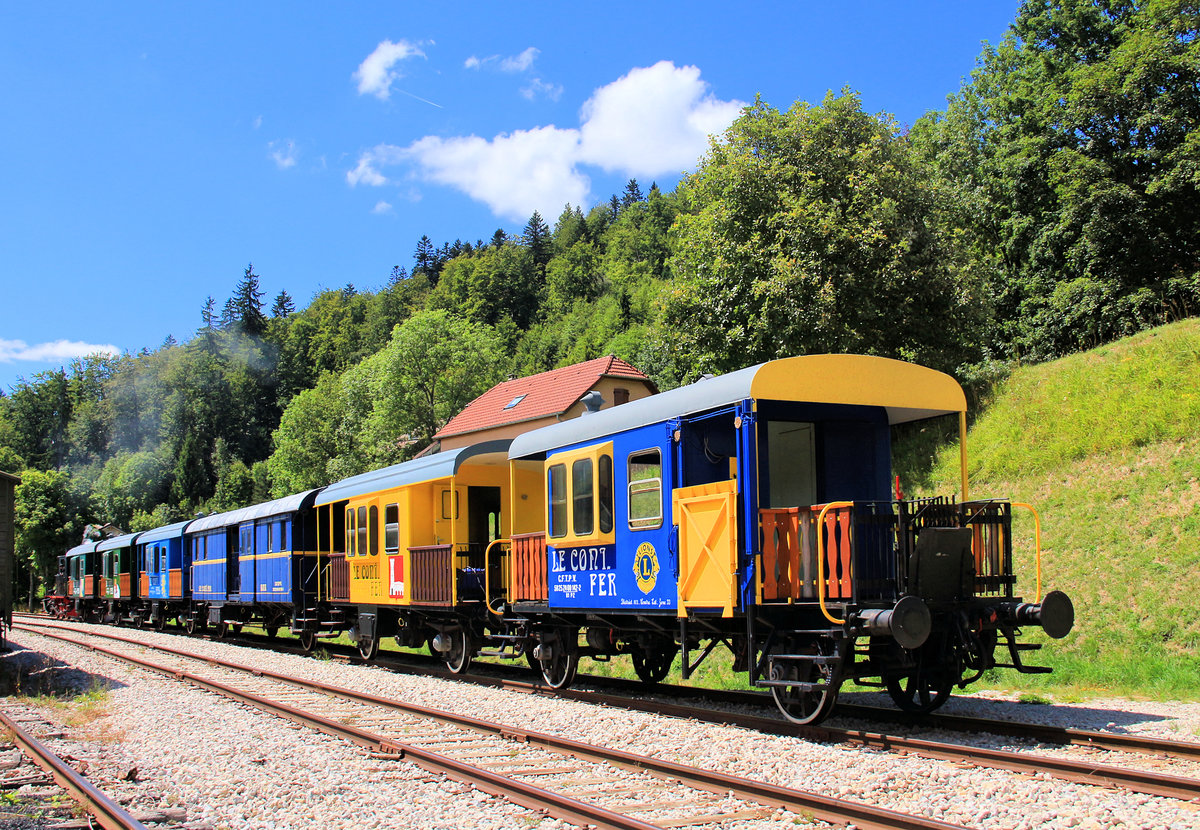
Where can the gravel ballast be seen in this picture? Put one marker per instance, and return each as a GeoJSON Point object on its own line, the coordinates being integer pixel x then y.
{"type": "Point", "coordinates": [238, 768]}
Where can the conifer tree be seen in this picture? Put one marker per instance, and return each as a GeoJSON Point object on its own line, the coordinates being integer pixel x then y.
{"type": "Point", "coordinates": [283, 305]}
{"type": "Point", "coordinates": [247, 305]}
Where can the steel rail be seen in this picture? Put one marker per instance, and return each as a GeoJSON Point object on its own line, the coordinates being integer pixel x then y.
{"type": "Point", "coordinates": [1045, 733]}
{"type": "Point", "coordinates": [1082, 772]}
{"type": "Point", "coordinates": [109, 814]}
{"type": "Point", "coordinates": [1063, 735]}
{"type": "Point", "coordinates": [827, 808]}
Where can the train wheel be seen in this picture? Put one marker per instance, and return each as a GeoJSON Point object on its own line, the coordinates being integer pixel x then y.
{"type": "Point", "coordinates": [653, 663]}
{"type": "Point", "coordinates": [559, 670]}
{"type": "Point", "coordinates": [308, 641]}
{"type": "Point", "coordinates": [806, 704]}
{"type": "Point", "coordinates": [271, 631]}
{"type": "Point", "coordinates": [368, 647]}
{"type": "Point", "coordinates": [159, 622]}
{"type": "Point", "coordinates": [192, 625]}
{"type": "Point", "coordinates": [222, 630]}
{"type": "Point", "coordinates": [458, 658]}
{"type": "Point", "coordinates": [236, 628]}
{"type": "Point", "coordinates": [929, 685]}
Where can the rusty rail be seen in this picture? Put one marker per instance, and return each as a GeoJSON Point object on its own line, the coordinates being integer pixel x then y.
{"type": "Point", "coordinates": [834, 810]}
{"type": "Point", "coordinates": [107, 812]}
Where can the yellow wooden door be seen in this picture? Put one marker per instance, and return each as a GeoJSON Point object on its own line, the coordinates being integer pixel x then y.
{"type": "Point", "coordinates": [707, 518]}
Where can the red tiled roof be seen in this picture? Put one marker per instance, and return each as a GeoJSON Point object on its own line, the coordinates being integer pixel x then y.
{"type": "Point", "coordinates": [541, 395]}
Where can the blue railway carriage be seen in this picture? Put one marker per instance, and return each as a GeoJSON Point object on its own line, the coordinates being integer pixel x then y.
{"type": "Point", "coordinates": [165, 585]}
{"type": "Point", "coordinates": [119, 579]}
{"type": "Point", "coordinates": [257, 564]}
{"type": "Point", "coordinates": [755, 511]}
{"type": "Point", "coordinates": [82, 568]}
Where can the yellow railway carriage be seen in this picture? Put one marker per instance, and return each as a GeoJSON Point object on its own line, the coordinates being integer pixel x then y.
{"type": "Point", "coordinates": [402, 550]}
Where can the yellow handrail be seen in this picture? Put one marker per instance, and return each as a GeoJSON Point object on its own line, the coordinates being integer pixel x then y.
{"type": "Point", "coordinates": [1037, 542]}
{"type": "Point", "coordinates": [487, 572]}
{"type": "Point", "coordinates": [821, 559]}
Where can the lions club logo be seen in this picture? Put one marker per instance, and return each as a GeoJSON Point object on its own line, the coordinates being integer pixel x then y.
{"type": "Point", "coordinates": [645, 567]}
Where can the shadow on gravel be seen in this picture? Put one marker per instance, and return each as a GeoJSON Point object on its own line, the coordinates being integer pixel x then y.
{"type": "Point", "coordinates": [28, 673]}
{"type": "Point", "coordinates": [1073, 716]}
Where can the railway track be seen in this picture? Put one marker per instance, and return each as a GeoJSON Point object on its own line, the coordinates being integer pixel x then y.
{"type": "Point", "coordinates": [104, 811]}
{"type": "Point", "coordinates": [574, 781]}
{"type": "Point", "coordinates": [1075, 770]}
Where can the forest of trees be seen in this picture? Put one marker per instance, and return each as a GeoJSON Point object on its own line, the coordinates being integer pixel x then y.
{"type": "Point", "coordinates": [1054, 205]}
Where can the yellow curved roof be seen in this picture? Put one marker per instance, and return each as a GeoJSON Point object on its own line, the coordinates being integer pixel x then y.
{"type": "Point", "coordinates": [909, 392]}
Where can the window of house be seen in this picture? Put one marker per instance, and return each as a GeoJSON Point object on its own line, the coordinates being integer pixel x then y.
{"type": "Point", "coordinates": [620, 396]}
{"type": "Point", "coordinates": [645, 490]}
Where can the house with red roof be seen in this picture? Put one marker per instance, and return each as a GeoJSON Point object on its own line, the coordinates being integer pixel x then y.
{"type": "Point", "coordinates": [519, 405]}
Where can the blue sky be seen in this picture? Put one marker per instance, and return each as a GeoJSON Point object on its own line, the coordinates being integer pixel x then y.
{"type": "Point", "coordinates": [150, 151]}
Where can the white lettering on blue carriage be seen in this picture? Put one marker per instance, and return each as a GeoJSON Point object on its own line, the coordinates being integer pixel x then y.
{"type": "Point", "coordinates": [587, 571]}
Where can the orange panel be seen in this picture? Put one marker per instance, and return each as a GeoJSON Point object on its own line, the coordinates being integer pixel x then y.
{"type": "Point", "coordinates": [144, 582]}
{"type": "Point", "coordinates": [529, 578]}
{"type": "Point", "coordinates": [175, 583]}
{"type": "Point", "coordinates": [781, 552]}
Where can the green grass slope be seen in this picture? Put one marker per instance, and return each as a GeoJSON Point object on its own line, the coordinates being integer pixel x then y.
{"type": "Point", "coordinates": [1106, 445]}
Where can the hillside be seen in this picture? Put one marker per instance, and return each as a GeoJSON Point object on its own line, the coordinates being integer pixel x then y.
{"type": "Point", "coordinates": [1106, 445]}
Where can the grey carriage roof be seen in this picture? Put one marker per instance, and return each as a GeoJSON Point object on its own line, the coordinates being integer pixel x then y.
{"type": "Point", "coordinates": [86, 547]}
{"type": "Point", "coordinates": [426, 468]}
{"type": "Point", "coordinates": [164, 532]}
{"type": "Point", "coordinates": [913, 394]}
{"type": "Point", "coordinates": [287, 504]}
{"type": "Point", "coordinates": [122, 541]}
{"type": "Point", "coordinates": [685, 400]}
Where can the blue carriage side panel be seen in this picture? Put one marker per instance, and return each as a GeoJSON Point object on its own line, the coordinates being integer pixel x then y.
{"type": "Point", "coordinates": [209, 562]}
{"type": "Point", "coordinates": [243, 563]}
{"type": "Point", "coordinates": [639, 573]}
{"type": "Point", "coordinates": [273, 549]}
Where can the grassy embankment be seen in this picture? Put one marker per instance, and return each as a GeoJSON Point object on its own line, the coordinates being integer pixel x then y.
{"type": "Point", "coordinates": [1106, 445]}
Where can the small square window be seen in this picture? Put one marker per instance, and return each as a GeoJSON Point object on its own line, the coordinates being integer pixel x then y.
{"type": "Point", "coordinates": [514, 401]}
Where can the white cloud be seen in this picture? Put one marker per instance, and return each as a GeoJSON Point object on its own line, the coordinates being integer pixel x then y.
{"type": "Point", "coordinates": [19, 350]}
{"type": "Point", "coordinates": [381, 207]}
{"type": "Point", "coordinates": [538, 87]}
{"type": "Point", "coordinates": [514, 174]}
{"type": "Point", "coordinates": [653, 121]}
{"type": "Point", "coordinates": [375, 75]}
{"type": "Point", "coordinates": [283, 153]}
{"type": "Point", "coordinates": [474, 62]}
{"type": "Point", "coordinates": [521, 62]}
{"type": "Point", "coordinates": [258, 122]}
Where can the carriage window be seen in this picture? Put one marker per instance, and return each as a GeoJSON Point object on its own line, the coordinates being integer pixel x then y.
{"type": "Point", "coordinates": [558, 500]}
{"type": "Point", "coordinates": [349, 531]}
{"type": "Point", "coordinates": [449, 509]}
{"type": "Point", "coordinates": [283, 529]}
{"type": "Point", "coordinates": [374, 526]}
{"type": "Point", "coordinates": [361, 527]}
{"type": "Point", "coordinates": [645, 490]}
{"type": "Point", "coordinates": [391, 528]}
{"type": "Point", "coordinates": [583, 497]}
{"type": "Point", "coordinates": [269, 529]}
{"type": "Point", "coordinates": [606, 494]}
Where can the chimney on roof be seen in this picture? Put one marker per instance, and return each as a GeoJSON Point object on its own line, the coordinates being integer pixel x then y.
{"type": "Point", "coordinates": [592, 402]}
